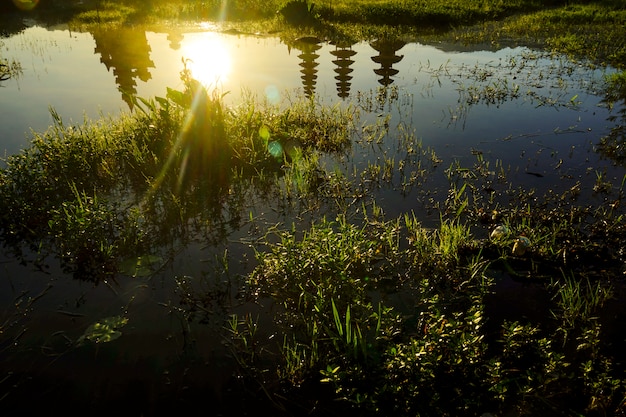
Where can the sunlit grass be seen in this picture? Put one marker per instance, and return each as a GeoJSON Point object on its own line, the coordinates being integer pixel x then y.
{"type": "Point", "coordinates": [392, 316]}
{"type": "Point", "coordinates": [580, 29]}
{"type": "Point", "coordinates": [105, 12]}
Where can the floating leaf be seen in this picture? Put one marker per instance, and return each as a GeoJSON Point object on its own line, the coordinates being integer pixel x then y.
{"type": "Point", "coordinates": [104, 330]}
{"type": "Point", "coordinates": [141, 266]}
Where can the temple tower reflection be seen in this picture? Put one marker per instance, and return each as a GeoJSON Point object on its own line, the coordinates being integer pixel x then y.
{"type": "Point", "coordinates": [308, 48]}
{"type": "Point", "coordinates": [387, 56]}
{"type": "Point", "coordinates": [127, 52]}
{"type": "Point", "coordinates": [344, 53]}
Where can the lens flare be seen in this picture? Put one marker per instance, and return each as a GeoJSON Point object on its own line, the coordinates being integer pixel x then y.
{"type": "Point", "coordinates": [26, 4]}
{"type": "Point", "coordinates": [272, 94]}
{"type": "Point", "coordinates": [275, 149]}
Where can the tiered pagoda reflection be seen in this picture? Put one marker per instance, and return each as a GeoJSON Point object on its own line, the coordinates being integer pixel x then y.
{"type": "Point", "coordinates": [344, 53]}
{"type": "Point", "coordinates": [387, 57]}
{"type": "Point", "coordinates": [308, 49]}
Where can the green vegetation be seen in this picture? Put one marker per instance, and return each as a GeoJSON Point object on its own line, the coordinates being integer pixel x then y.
{"type": "Point", "coordinates": [579, 28]}
{"type": "Point", "coordinates": [112, 189]}
{"type": "Point", "coordinates": [382, 316]}
{"type": "Point", "coordinates": [440, 353]}
{"type": "Point", "coordinates": [582, 30]}
{"type": "Point", "coordinates": [372, 314]}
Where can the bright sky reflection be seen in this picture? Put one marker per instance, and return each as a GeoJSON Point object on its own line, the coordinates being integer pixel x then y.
{"type": "Point", "coordinates": [209, 58]}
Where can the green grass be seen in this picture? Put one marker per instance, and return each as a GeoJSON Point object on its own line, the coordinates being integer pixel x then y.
{"type": "Point", "coordinates": [437, 356]}
{"type": "Point", "coordinates": [105, 196]}
{"type": "Point", "coordinates": [382, 316]}
{"type": "Point", "coordinates": [581, 29]}
{"type": "Point", "coordinates": [104, 189]}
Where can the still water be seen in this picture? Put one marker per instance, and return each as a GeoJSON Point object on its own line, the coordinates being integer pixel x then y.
{"type": "Point", "coordinates": [534, 113]}
{"type": "Point", "coordinates": [89, 74]}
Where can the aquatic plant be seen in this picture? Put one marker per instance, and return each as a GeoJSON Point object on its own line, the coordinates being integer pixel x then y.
{"type": "Point", "coordinates": [380, 316]}
{"type": "Point", "coordinates": [9, 69]}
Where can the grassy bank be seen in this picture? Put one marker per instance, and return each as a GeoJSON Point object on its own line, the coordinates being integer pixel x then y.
{"type": "Point", "coordinates": [592, 30]}
{"type": "Point", "coordinates": [589, 30]}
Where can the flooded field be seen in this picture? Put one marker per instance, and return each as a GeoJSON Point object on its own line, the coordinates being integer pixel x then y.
{"type": "Point", "coordinates": [430, 122]}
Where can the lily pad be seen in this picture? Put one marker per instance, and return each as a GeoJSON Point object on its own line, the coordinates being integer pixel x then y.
{"type": "Point", "coordinates": [105, 330]}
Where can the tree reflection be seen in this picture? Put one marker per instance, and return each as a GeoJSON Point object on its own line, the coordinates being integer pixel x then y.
{"type": "Point", "coordinates": [127, 51]}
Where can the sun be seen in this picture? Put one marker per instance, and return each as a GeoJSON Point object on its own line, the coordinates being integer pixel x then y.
{"type": "Point", "coordinates": [208, 58]}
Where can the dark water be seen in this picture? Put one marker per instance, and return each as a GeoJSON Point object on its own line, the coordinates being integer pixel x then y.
{"type": "Point", "coordinates": [459, 103]}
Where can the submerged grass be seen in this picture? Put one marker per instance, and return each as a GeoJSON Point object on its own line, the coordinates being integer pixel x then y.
{"type": "Point", "coordinates": [382, 316]}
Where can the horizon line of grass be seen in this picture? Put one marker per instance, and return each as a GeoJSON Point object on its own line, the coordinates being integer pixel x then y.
{"type": "Point", "coordinates": [581, 29]}
{"type": "Point", "coordinates": [578, 28]}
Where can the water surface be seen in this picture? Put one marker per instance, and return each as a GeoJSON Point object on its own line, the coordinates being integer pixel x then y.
{"type": "Point", "coordinates": [535, 116]}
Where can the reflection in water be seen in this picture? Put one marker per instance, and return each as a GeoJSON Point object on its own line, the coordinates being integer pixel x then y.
{"type": "Point", "coordinates": [212, 207]}
{"type": "Point", "coordinates": [386, 58]}
{"type": "Point", "coordinates": [309, 65]}
{"type": "Point", "coordinates": [175, 39]}
{"type": "Point", "coordinates": [260, 65]}
{"type": "Point", "coordinates": [344, 61]}
{"type": "Point", "coordinates": [25, 4]}
{"type": "Point", "coordinates": [208, 58]}
{"type": "Point", "coordinates": [127, 51]}
{"type": "Point", "coordinates": [613, 145]}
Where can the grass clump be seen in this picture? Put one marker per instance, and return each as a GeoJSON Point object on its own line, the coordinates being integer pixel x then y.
{"type": "Point", "coordinates": [614, 144]}
{"type": "Point", "coordinates": [109, 187]}
{"type": "Point", "coordinates": [340, 290]}
{"type": "Point", "coordinates": [583, 30]}
{"type": "Point", "coordinates": [323, 282]}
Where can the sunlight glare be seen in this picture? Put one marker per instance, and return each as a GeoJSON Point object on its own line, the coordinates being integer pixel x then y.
{"type": "Point", "coordinates": [209, 58]}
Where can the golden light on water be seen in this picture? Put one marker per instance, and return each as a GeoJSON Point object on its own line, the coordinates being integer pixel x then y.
{"type": "Point", "coordinates": [208, 58]}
